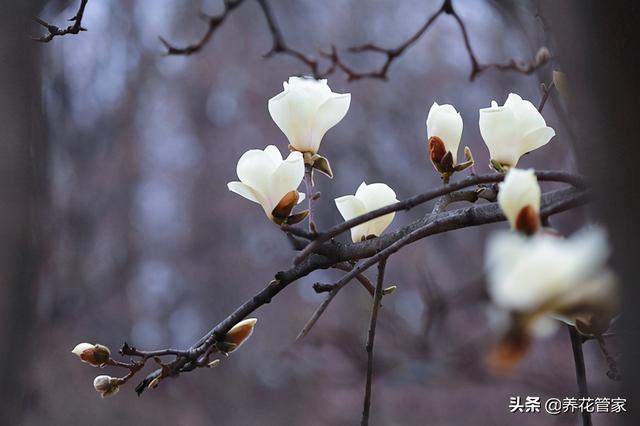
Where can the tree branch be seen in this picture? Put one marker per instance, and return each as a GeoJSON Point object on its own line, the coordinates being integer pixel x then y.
{"type": "Point", "coordinates": [213, 23]}
{"type": "Point", "coordinates": [53, 30]}
{"type": "Point", "coordinates": [377, 297]}
{"type": "Point", "coordinates": [416, 200]}
{"type": "Point", "coordinates": [332, 253]}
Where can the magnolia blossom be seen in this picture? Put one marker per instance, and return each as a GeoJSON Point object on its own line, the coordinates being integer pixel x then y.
{"type": "Point", "coordinates": [306, 109]}
{"type": "Point", "coordinates": [519, 199]}
{"type": "Point", "coordinates": [444, 130]}
{"type": "Point", "coordinates": [267, 179]}
{"type": "Point", "coordinates": [367, 198]}
{"type": "Point", "coordinates": [512, 130]}
{"type": "Point", "coordinates": [543, 274]}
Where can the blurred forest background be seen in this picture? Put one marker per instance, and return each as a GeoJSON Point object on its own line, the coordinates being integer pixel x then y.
{"type": "Point", "coordinates": [144, 242]}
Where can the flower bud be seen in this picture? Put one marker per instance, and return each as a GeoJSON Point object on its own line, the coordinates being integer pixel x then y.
{"type": "Point", "coordinates": [444, 130]}
{"type": "Point", "coordinates": [238, 334]}
{"type": "Point", "coordinates": [367, 198]}
{"type": "Point", "coordinates": [95, 355]}
{"type": "Point", "coordinates": [519, 199]}
{"type": "Point", "coordinates": [106, 385]}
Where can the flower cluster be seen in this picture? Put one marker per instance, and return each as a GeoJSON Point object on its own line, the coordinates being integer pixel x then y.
{"type": "Point", "coordinates": [305, 111]}
{"type": "Point", "coordinates": [536, 277]}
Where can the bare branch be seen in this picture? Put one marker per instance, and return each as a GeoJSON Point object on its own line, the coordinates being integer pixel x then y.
{"type": "Point", "coordinates": [53, 30]}
{"type": "Point", "coordinates": [213, 23]}
{"type": "Point", "coordinates": [377, 297]}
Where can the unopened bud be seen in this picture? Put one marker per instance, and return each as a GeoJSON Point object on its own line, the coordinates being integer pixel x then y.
{"type": "Point", "coordinates": [154, 383]}
{"type": "Point", "coordinates": [238, 335]}
{"type": "Point", "coordinates": [106, 385]}
{"type": "Point", "coordinates": [95, 355]}
{"type": "Point", "coordinates": [214, 363]}
{"type": "Point", "coordinates": [389, 290]}
{"type": "Point", "coordinates": [543, 55]}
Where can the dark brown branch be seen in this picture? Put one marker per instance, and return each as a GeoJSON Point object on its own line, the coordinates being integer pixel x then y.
{"type": "Point", "coordinates": [213, 22]}
{"type": "Point", "coordinates": [581, 374]}
{"type": "Point", "coordinates": [416, 200]}
{"type": "Point", "coordinates": [377, 297]}
{"type": "Point", "coordinates": [53, 30]}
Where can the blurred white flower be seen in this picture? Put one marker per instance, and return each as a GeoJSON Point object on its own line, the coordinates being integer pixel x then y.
{"type": "Point", "coordinates": [306, 109]}
{"type": "Point", "coordinates": [366, 199]}
{"type": "Point", "coordinates": [519, 199]}
{"type": "Point", "coordinates": [267, 179]}
{"type": "Point", "coordinates": [512, 130]}
{"type": "Point", "coordinates": [543, 274]}
{"type": "Point", "coordinates": [445, 124]}
{"type": "Point", "coordinates": [106, 385]}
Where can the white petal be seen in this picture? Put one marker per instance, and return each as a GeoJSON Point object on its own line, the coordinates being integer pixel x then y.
{"type": "Point", "coordinates": [373, 197]}
{"type": "Point", "coordinates": [536, 138]}
{"type": "Point", "coordinates": [328, 115]}
{"type": "Point", "coordinates": [519, 189]}
{"type": "Point", "coordinates": [349, 207]}
{"type": "Point", "coordinates": [287, 177]}
{"type": "Point", "coordinates": [500, 133]}
{"type": "Point", "coordinates": [525, 113]}
{"type": "Point", "coordinates": [244, 190]}
{"type": "Point", "coordinates": [255, 168]}
{"type": "Point", "coordinates": [274, 154]}
{"type": "Point", "coordinates": [280, 112]}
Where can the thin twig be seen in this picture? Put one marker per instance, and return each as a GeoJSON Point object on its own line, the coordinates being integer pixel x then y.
{"type": "Point", "coordinates": [53, 30]}
{"type": "Point", "coordinates": [213, 22]}
{"type": "Point", "coordinates": [581, 374]}
{"type": "Point", "coordinates": [377, 297]}
{"type": "Point", "coordinates": [546, 92]}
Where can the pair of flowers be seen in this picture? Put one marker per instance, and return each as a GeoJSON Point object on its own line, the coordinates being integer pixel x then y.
{"type": "Point", "coordinates": [536, 277]}
{"type": "Point", "coordinates": [305, 111]}
{"type": "Point", "coordinates": [509, 131]}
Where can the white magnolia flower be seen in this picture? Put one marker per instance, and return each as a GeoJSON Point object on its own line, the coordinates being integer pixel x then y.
{"type": "Point", "coordinates": [367, 198]}
{"type": "Point", "coordinates": [512, 130]}
{"type": "Point", "coordinates": [445, 123]}
{"type": "Point", "coordinates": [267, 179]}
{"type": "Point", "coordinates": [306, 109]}
{"type": "Point", "coordinates": [544, 274]}
{"type": "Point", "coordinates": [519, 199]}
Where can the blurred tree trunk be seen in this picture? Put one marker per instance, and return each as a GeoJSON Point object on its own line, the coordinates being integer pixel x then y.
{"type": "Point", "coordinates": [599, 46]}
{"type": "Point", "coordinates": [21, 181]}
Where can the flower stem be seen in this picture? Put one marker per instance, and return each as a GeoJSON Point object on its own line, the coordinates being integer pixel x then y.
{"type": "Point", "coordinates": [581, 373]}
{"type": "Point", "coordinates": [308, 180]}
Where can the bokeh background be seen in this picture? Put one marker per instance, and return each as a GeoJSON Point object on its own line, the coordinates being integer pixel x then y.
{"type": "Point", "coordinates": [144, 242]}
